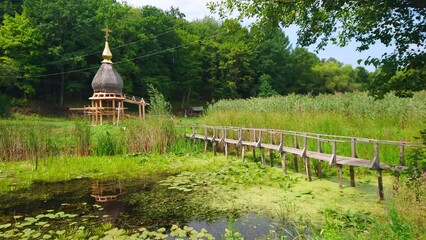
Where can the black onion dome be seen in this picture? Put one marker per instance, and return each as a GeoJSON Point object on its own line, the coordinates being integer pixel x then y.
{"type": "Point", "coordinates": [107, 79]}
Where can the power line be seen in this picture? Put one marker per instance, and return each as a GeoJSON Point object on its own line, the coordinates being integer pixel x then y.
{"type": "Point", "coordinates": [98, 52]}
{"type": "Point", "coordinates": [124, 61]}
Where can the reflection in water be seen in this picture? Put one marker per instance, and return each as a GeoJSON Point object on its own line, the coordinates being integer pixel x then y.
{"type": "Point", "coordinates": [130, 205]}
{"type": "Point", "coordinates": [106, 193]}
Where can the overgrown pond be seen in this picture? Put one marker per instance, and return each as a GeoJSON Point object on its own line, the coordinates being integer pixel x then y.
{"type": "Point", "coordinates": [50, 209]}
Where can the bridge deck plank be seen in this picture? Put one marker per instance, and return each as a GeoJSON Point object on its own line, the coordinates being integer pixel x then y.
{"type": "Point", "coordinates": [341, 160]}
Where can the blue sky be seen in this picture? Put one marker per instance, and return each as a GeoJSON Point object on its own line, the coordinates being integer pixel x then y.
{"type": "Point", "coordinates": [196, 9]}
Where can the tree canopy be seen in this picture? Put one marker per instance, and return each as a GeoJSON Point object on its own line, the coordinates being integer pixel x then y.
{"type": "Point", "coordinates": [398, 24]}
{"type": "Point", "coordinates": [49, 52]}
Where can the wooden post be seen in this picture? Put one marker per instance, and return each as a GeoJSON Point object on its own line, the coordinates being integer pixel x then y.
{"type": "Point", "coordinates": [262, 150]}
{"type": "Point", "coordinates": [271, 154]}
{"type": "Point", "coordinates": [351, 168]}
{"type": "Point", "coordinates": [206, 141]}
{"type": "Point", "coordinates": [242, 154]}
{"type": "Point", "coordinates": [225, 144]}
{"type": "Point", "coordinates": [143, 109]}
{"type": "Point", "coordinates": [306, 159]}
{"type": "Point", "coordinates": [214, 143]}
{"type": "Point", "coordinates": [254, 148]}
{"type": "Point", "coordinates": [140, 111]}
{"type": "Point", "coordinates": [282, 154]}
{"type": "Point", "coordinates": [193, 134]}
{"type": "Point", "coordinates": [113, 112]}
{"type": "Point", "coordinates": [283, 165]}
{"type": "Point", "coordinates": [119, 111]}
{"type": "Point", "coordinates": [339, 170]}
{"type": "Point", "coordinates": [401, 153]}
{"type": "Point", "coordinates": [319, 149]}
{"type": "Point", "coordinates": [296, 162]}
{"type": "Point", "coordinates": [376, 166]}
{"type": "Point", "coordinates": [262, 155]}
{"type": "Point", "coordinates": [380, 183]}
{"type": "Point", "coordinates": [101, 111]}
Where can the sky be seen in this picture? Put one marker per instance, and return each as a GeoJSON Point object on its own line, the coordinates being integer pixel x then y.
{"type": "Point", "coordinates": [197, 9]}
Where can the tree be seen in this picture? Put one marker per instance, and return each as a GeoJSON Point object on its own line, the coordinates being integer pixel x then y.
{"type": "Point", "coordinates": [303, 79]}
{"type": "Point", "coordinates": [265, 88]}
{"type": "Point", "coordinates": [272, 56]}
{"type": "Point", "coordinates": [397, 23]}
{"type": "Point", "coordinates": [20, 44]}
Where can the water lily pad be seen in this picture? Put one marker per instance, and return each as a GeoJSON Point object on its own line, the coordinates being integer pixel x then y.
{"type": "Point", "coordinates": [3, 226]}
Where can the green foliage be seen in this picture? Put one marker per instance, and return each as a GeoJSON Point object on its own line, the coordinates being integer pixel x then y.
{"type": "Point", "coordinates": [265, 88]}
{"type": "Point", "coordinates": [158, 104]}
{"type": "Point", "coordinates": [82, 133]}
{"type": "Point", "coordinates": [396, 23]}
{"type": "Point", "coordinates": [105, 146]}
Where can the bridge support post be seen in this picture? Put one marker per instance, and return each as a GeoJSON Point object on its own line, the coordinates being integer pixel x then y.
{"type": "Point", "coordinates": [339, 171]}
{"type": "Point", "coordinates": [306, 159]}
{"type": "Point", "coordinates": [262, 155]}
{"type": "Point", "coordinates": [242, 153]}
{"type": "Point", "coordinates": [283, 164]}
{"type": "Point", "coordinates": [214, 143]}
{"type": "Point", "coordinates": [226, 149]}
{"type": "Point", "coordinates": [380, 183]}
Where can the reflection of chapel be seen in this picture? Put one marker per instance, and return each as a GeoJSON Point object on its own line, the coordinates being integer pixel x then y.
{"type": "Point", "coordinates": [107, 101]}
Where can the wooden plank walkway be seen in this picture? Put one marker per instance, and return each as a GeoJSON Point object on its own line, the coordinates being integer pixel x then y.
{"type": "Point", "coordinates": [254, 138]}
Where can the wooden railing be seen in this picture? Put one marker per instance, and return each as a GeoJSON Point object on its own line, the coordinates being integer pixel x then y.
{"type": "Point", "coordinates": [322, 147]}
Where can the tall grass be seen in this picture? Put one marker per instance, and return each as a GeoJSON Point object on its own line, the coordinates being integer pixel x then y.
{"type": "Point", "coordinates": [350, 114]}
{"type": "Point", "coordinates": [24, 140]}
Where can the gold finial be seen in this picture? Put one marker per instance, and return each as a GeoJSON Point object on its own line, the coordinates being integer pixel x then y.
{"type": "Point", "coordinates": [106, 54]}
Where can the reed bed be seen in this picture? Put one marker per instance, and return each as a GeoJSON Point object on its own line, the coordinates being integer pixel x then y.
{"type": "Point", "coordinates": [350, 114]}
{"type": "Point", "coordinates": [28, 140]}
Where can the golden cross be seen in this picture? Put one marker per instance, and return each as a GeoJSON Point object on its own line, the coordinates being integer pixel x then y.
{"type": "Point", "coordinates": [107, 31]}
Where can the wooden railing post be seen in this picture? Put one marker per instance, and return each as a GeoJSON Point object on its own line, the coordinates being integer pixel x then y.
{"type": "Point", "coordinates": [271, 154]}
{"type": "Point", "coordinates": [306, 159]}
{"type": "Point", "coordinates": [214, 142]}
{"type": "Point", "coordinates": [193, 133]}
{"type": "Point", "coordinates": [401, 153]}
{"type": "Point", "coordinates": [295, 156]}
{"type": "Point", "coordinates": [225, 144]}
{"type": "Point", "coordinates": [205, 139]}
{"type": "Point", "coordinates": [262, 150]}
{"type": "Point", "coordinates": [240, 141]}
{"type": "Point", "coordinates": [319, 149]}
{"type": "Point", "coordinates": [351, 168]}
{"type": "Point", "coordinates": [376, 166]}
{"type": "Point", "coordinates": [282, 154]}
{"type": "Point", "coordinates": [254, 148]}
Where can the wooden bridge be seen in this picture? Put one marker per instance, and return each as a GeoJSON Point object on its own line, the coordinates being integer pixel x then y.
{"type": "Point", "coordinates": [321, 147]}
